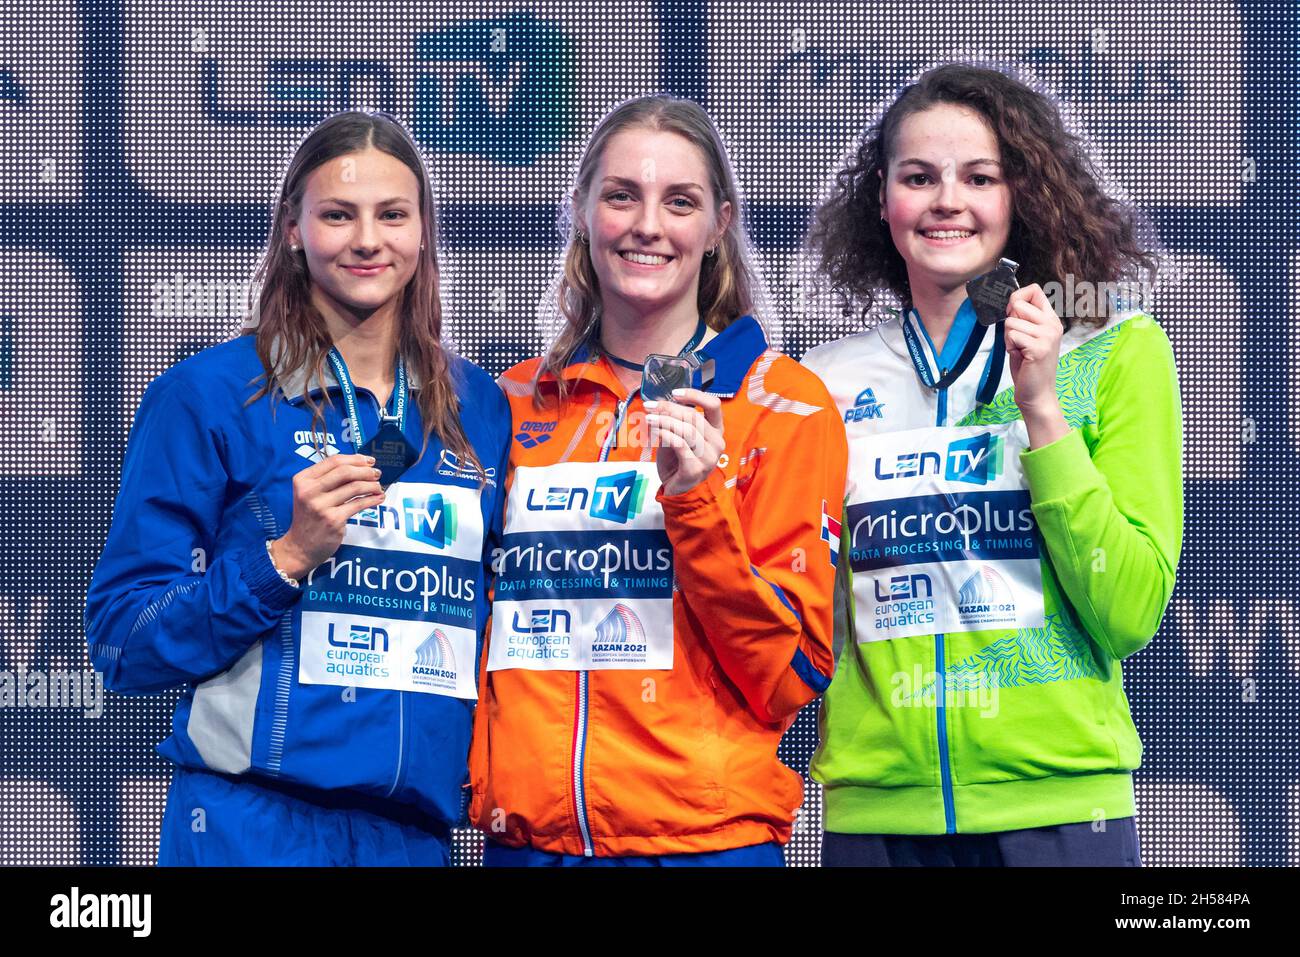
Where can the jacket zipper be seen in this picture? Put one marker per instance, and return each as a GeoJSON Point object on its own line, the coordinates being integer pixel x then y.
{"type": "Point", "coordinates": [402, 703]}
{"type": "Point", "coordinates": [941, 714]}
{"type": "Point", "coordinates": [580, 715]}
{"type": "Point", "coordinates": [579, 754]}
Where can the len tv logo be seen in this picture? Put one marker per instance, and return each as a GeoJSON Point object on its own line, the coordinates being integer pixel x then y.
{"type": "Point", "coordinates": [431, 521]}
{"type": "Point", "coordinates": [614, 498]}
{"type": "Point", "coordinates": [618, 498]}
{"type": "Point", "coordinates": [977, 460]}
{"type": "Point", "coordinates": [501, 88]}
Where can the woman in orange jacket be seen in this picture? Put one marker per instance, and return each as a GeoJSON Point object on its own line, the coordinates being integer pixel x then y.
{"type": "Point", "coordinates": [663, 602]}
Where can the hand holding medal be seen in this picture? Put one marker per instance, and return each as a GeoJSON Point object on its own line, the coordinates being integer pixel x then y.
{"type": "Point", "coordinates": [690, 440]}
{"type": "Point", "coordinates": [325, 496]}
{"type": "Point", "coordinates": [1033, 337]}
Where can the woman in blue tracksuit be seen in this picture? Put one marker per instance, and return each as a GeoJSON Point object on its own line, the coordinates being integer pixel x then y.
{"type": "Point", "coordinates": [300, 534]}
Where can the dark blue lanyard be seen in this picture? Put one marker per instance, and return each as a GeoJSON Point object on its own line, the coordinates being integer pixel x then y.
{"type": "Point", "coordinates": [992, 372]}
{"type": "Point", "coordinates": [396, 411]}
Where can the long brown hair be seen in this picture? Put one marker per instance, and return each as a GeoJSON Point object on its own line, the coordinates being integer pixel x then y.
{"type": "Point", "coordinates": [284, 310]}
{"type": "Point", "coordinates": [730, 282]}
{"type": "Point", "coordinates": [1063, 222]}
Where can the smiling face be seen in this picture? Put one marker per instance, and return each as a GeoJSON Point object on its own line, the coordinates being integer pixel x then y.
{"type": "Point", "coordinates": [945, 198]}
{"type": "Point", "coordinates": [650, 215]}
{"type": "Point", "coordinates": [359, 227]}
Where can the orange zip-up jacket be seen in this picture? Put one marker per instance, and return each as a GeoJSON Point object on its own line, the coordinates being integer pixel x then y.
{"type": "Point", "coordinates": [597, 732]}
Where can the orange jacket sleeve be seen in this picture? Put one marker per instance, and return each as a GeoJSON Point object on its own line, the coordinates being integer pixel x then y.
{"type": "Point", "coordinates": [752, 563]}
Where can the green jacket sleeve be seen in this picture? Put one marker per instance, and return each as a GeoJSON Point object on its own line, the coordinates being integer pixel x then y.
{"type": "Point", "coordinates": [1111, 509]}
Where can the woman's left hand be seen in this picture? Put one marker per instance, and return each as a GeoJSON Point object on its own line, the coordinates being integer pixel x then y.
{"type": "Point", "coordinates": [690, 440]}
{"type": "Point", "coordinates": [1033, 337]}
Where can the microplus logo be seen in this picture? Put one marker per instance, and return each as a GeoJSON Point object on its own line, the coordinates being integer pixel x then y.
{"type": "Point", "coordinates": [103, 910]}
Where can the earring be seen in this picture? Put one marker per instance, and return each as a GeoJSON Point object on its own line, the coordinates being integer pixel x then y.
{"type": "Point", "coordinates": [713, 251]}
{"type": "Point", "coordinates": [582, 237]}
{"type": "Point", "coordinates": [293, 246]}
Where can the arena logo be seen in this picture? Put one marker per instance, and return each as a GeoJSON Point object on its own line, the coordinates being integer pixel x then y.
{"type": "Point", "coordinates": [502, 88]}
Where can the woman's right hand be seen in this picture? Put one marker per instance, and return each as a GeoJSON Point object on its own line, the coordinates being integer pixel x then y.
{"type": "Point", "coordinates": [325, 496]}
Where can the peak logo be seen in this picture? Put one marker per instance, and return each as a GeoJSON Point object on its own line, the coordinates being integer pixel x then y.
{"type": "Point", "coordinates": [614, 498]}
{"type": "Point", "coordinates": [976, 461]}
{"type": "Point", "coordinates": [865, 406]}
{"type": "Point", "coordinates": [431, 521]}
{"type": "Point", "coordinates": [502, 88]}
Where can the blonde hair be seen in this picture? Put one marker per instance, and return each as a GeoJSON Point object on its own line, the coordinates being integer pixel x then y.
{"type": "Point", "coordinates": [731, 284]}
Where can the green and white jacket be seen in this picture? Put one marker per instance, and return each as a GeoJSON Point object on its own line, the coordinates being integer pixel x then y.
{"type": "Point", "coordinates": [987, 592]}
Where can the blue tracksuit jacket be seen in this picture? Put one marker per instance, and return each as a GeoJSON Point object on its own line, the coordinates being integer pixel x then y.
{"type": "Point", "coordinates": [185, 595]}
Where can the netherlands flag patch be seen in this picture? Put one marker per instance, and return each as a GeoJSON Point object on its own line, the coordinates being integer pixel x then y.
{"type": "Point", "coordinates": [831, 533]}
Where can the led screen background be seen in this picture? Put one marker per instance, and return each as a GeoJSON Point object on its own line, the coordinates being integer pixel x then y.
{"type": "Point", "coordinates": [144, 141]}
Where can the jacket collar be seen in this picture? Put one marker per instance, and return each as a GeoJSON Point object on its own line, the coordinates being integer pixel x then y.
{"type": "Point", "coordinates": [891, 333]}
{"type": "Point", "coordinates": [296, 383]}
{"type": "Point", "coordinates": [732, 352]}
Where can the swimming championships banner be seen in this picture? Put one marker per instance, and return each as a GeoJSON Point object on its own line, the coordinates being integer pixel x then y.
{"type": "Point", "coordinates": [143, 144]}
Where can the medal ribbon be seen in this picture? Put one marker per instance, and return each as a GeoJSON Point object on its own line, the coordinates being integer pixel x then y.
{"type": "Point", "coordinates": [396, 411]}
{"type": "Point", "coordinates": [992, 371]}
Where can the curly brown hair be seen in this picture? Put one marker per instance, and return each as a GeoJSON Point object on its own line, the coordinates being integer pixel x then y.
{"type": "Point", "coordinates": [1063, 222]}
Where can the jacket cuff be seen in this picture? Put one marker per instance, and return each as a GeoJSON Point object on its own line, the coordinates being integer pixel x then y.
{"type": "Point", "coordinates": [1059, 469]}
{"type": "Point", "coordinates": [263, 581]}
{"type": "Point", "coordinates": [702, 495]}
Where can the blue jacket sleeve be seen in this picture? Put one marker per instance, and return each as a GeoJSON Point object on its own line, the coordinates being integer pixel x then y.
{"type": "Point", "coordinates": [162, 609]}
{"type": "Point", "coordinates": [495, 518]}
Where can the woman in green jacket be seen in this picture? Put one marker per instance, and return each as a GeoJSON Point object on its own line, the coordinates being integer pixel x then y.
{"type": "Point", "coordinates": [1013, 517]}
